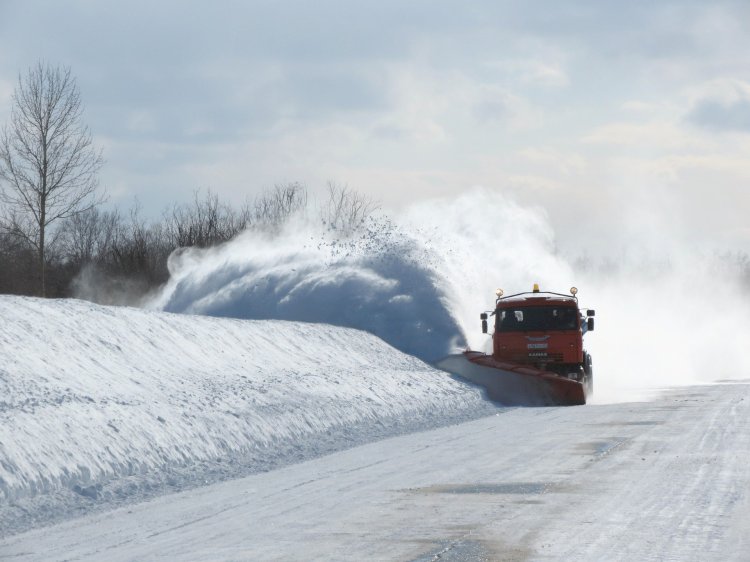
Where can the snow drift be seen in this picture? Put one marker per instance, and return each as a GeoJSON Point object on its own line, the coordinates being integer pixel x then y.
{"type": "Point", "coordinates": [89, 394]}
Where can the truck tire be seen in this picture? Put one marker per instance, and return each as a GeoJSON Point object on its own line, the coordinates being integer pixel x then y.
{"type": "Point", "coordinates": [588, 371]}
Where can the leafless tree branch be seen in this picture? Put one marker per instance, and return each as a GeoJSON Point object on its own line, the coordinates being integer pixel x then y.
{"type": "Point", "coordinates": [346, 210]}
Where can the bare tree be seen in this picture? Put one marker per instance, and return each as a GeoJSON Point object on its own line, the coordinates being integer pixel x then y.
{"type": "Point", "coordinates": [140, 249]}
{"type": "Point", "coordinates": [204, 223]}
{"type": "Point", "coordinates": [273, 208]}
{"type": "Point", "coordinates": [17, 265]}
{"type": "Point", "coordinates": [346, 210]}
{"type": "Point", "coordinates": [47, 158]}
{"type": "Point", "coordinates": [89, 235]}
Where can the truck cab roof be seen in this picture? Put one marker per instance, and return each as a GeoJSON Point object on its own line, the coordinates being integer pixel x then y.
{"type": "Point", "coordinates": [536, 299]}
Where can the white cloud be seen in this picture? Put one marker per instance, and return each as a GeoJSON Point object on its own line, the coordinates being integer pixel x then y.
{"type": "Point", "coordinates": [545, 71]}
{"type": "Point", "coordinates": [675, 167]}
{"type": "Point", "coordinates": [636, 106]}
{"type": "Point", "coordinates": [721, 105]}
{"type": "Point", "coordinates": [725, 90]}
{"type": "Point", "coordinates": [497, 105]}
{"type": "Point", "coordinates": [546, 74]}
{"type": "Point", "coordinates": [437, 105]}
{"type": "Point", "coordinates": [652, 136]}
{"type": "Point", "coordinates": [533, 182]}
{"type": "Point", "coordinates": [561, 162]}
{"type": "Point", "coordinates": [417, 107]}
{"type": "Point", "coordinates": [140, 121]}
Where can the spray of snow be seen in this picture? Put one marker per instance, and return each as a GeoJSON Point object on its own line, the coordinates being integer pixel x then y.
{"type": "Point", "coordinates": [664, 315]}
{"type": "Point", "coordinates": [666, 323]}
{"type": "Point", "coordinates": [382, 280]}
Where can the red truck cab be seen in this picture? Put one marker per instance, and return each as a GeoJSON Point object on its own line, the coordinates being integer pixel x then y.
{"type": "Point", "coordinates": [544, 330]}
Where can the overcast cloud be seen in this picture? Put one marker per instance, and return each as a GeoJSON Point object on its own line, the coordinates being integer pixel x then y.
{"type": "Point", "coordinates": [577, 106]}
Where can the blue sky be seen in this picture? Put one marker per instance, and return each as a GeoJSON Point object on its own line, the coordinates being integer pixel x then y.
{"type": "Point", "coordinates": [582, 107]}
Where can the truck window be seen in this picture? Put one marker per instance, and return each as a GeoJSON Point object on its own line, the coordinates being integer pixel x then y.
{"type": "Point", "coordinates": [536, 319]}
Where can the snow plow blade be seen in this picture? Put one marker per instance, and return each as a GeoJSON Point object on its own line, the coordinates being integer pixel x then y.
{"type": "Point", "coordinates": [512, 384]}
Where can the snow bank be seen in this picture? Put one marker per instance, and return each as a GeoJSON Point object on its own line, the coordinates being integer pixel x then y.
{"type": "Point", "coordinates": [89, 393]}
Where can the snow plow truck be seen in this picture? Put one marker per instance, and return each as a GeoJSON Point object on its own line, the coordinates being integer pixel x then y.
{"type": "Point", "coordinates": [537, 357]}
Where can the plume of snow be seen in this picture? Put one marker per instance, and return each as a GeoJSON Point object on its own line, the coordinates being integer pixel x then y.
{"type": "Point", "coordinates": [419, 281]}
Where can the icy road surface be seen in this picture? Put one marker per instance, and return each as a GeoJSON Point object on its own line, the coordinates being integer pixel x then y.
{"type": "Point", "coordinates": [664, 480]}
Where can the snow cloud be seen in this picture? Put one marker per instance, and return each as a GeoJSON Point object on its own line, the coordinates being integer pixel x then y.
{"type": "Point", "coordinates": [382, 281]}
{"type": "Point", "coordinates": [417, 281]}
{"type": "Point", "coordinates": [420, 280]}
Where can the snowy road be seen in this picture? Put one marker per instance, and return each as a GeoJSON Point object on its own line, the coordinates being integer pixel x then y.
{"type": "Point", "coordinates": [663, 480]}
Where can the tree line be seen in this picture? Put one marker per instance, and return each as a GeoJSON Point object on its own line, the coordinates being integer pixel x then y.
{"type": "Point", "coordinates": [114, 250]}
{"type": "Point", "coordinates": [55, 233]}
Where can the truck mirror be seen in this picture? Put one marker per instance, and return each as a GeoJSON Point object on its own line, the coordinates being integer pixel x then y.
{"type": "Point", "coordinates": [484, 325]}
{"type": "Point", "coordinates": [590, 324]}
{"type": "Point", "coordinates": [590, 312]}
{"type": "Point", "coordinates": [483, 316]}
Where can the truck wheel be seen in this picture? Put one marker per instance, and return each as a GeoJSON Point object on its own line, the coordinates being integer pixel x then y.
{"type": "Point", "coordinates": [588, 369]}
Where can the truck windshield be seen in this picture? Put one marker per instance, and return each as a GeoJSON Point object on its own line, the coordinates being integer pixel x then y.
{"type": "Point", "coordinates": [536, 318]}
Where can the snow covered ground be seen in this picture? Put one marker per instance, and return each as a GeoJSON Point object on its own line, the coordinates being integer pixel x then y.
{"type": "Point", "coordinates": [664, 480]}
{"type": "Point", "coordinates": [101, 406]}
